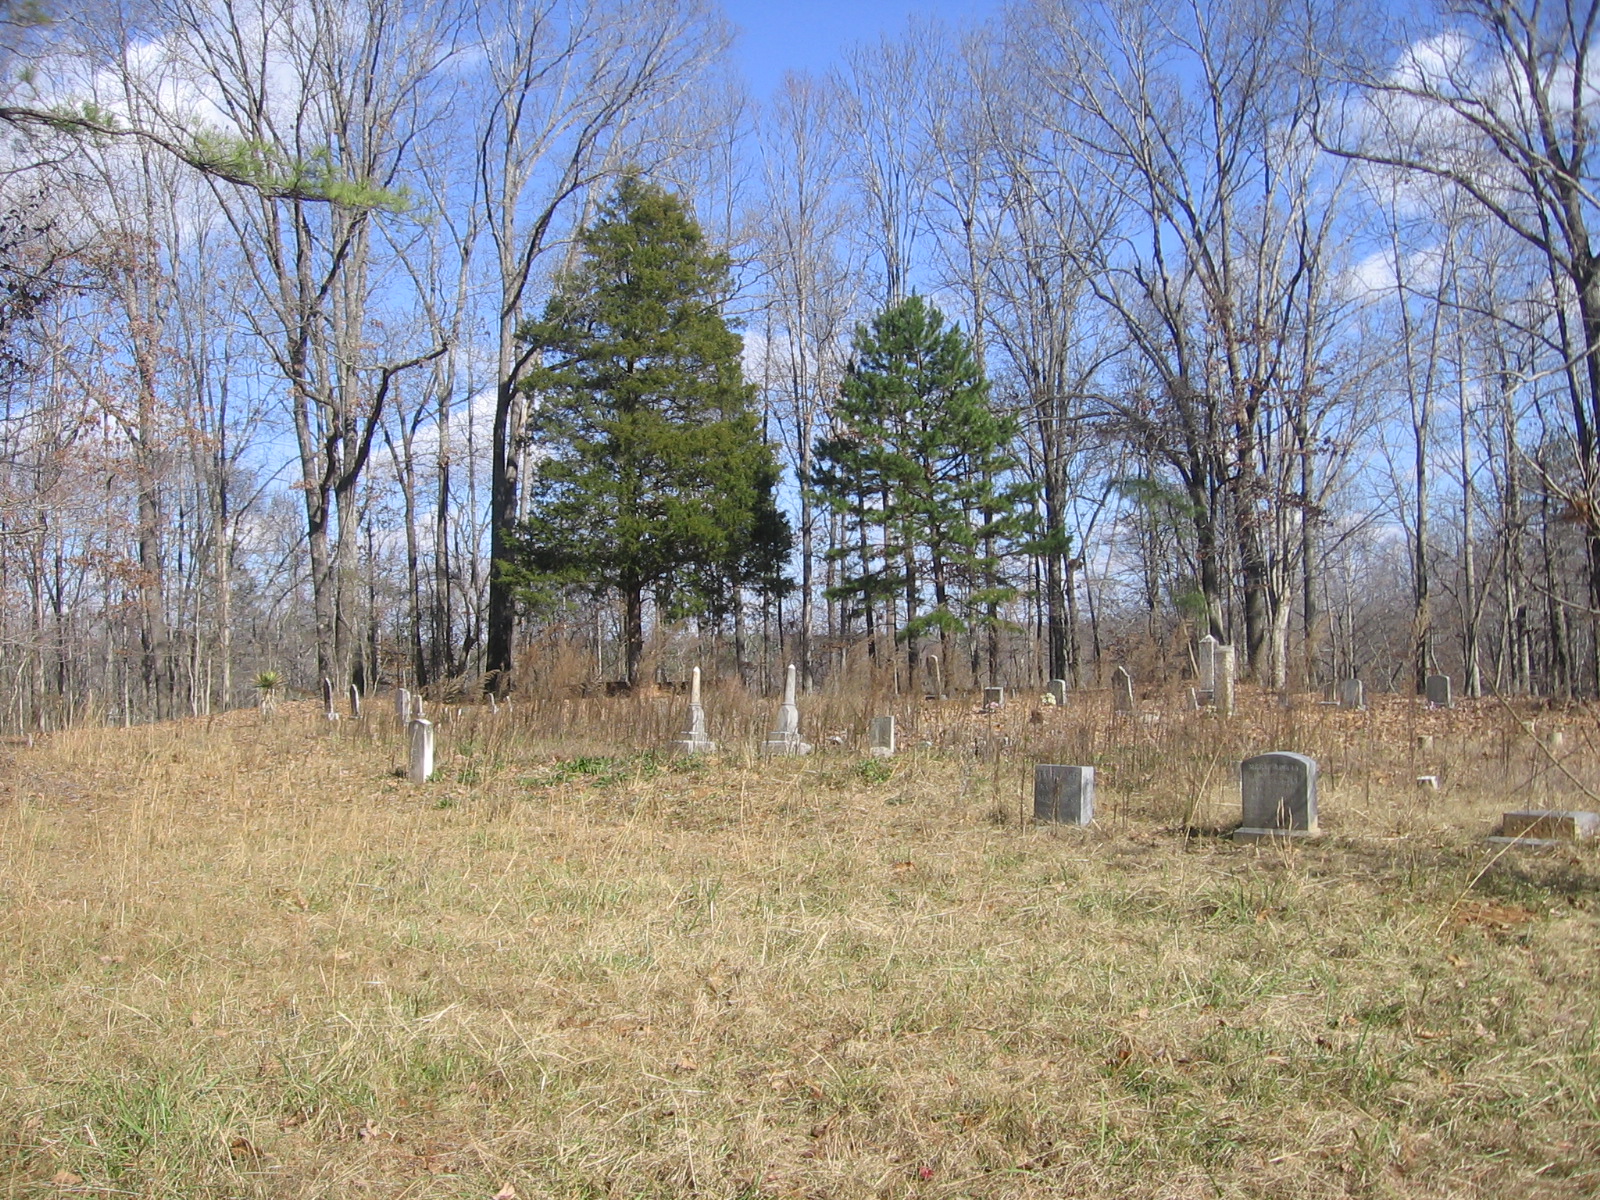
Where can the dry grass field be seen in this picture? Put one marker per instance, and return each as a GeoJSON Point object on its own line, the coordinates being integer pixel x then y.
{"type": "Point", "coordinates": [242, 957]}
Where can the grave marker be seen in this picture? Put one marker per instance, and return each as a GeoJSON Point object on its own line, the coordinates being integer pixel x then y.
{"type": "Point", "coordinates": [1121, 691]}
{"type": "Point", "coordinates": [421, 751]}
{"type": "Point", "coordinates": [695, 740]}
{"type": "Point", "coordinates": [1063, 794]}
{"type": "Point", "coordinates": [1056, 689]}
{"type": "Point", "coordinates": [1437, 689]}
{"type": "Point", "coordinates": [328, 711]}
{"type": "Point", "coordinates": [1279, 797]}
{"type": "Point", "coordinates": [1222, 672]}
{"type": "Point", "coordinates": [881, 737]}
{"type": "Point", "coordinates": [355, 702]}
{"type": "Point", "coordinates": [993, 698]}
{"type": "Point", "coordinates": [1352, 694]}
{"type": "Point", "coordinates": [785, 739]}
{"type": "Point", "coordinates": [1546, 827]}
{"type": "Point", "coordinates": [402, 706]}
{"type": "Point", "coordinates": [1207, 663]}
{"type": "Point", "coordinates": [934, 679]}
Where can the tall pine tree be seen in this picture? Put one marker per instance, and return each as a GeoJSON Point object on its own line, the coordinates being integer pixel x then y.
{"type": "Point", "coordinates": [920, 469]}
{"type": "Point", "coordinates": [652, 480]}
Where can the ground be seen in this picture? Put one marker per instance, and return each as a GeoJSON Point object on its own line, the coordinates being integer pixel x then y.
{"type": "Point", "coordinates": [242, 956]}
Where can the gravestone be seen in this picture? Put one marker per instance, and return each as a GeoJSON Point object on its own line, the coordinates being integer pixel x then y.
{"type": "Point", "coordinates": [695, 740]}
{"type": "Point", "coordinates": [1556, 742]}
{"type": "Point", "coordinates": [421, 751]}
{"type": "Point", "coordinates": [932, 678]}
{"type": "Point", "coordinates": [1063, 794]}
{"type": "Point", "coordinates": [993, 698]}
{"type": "Point", "coordinates": [328, 711]}
{"type": "Point", "coordinates": [881, 736]}
{"type": "Point", "coordinates": [1437, 690]}
{"type": "Point", "coordinates": [1207, 663]}
{"type": "Point", "coordinates": [494, 704]}
{"type": "Point", "coordinates": [785, 739]}
{"type": "Point", "coordinates": [1424, 741]}
{"type": "Point", "coordinates": [355, 702]}
{"type": "Point", "coordinates": [1279, 795]}
{"type": "Point", "coordinates": [1056, 689]}
{"type": "Point", "coordinates": [1352, 694]}
{"type": "Point", "coordinates": [402, 706]}
{"type": "Point", "coordinates": [1222, 673]}
{"type": "Point", "coordinates": [1543, 827]}
{"type": "Point", "coordinates": [1121, 691]}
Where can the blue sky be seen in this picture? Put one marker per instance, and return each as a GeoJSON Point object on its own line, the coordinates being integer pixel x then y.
{"type": "Point", "coordinates": [807, 35]}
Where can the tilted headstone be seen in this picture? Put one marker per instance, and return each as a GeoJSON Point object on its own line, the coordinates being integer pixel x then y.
{"type": "Point", "coordinates": [1279, 795]}
{"type": "Point", "coordinates": [355, 702]}
{"type": "Point", "coordinates": [421, 751]}
{"type": "Point", "coordinates": [1121, 691]}
{"type": "Point", "coordinates": [1437, 689]}
{"type": "Point", "coordinates": [785, 739]}
{"type": "Point", "coordinates": [1352, 693]}
{"type": "Point", "coordinates": [993, 698]}
{"type": "Point", "coordinates": [328, 710]}
{"type": "Point", "coordinates": [1063, 794]}
{"type": "Point", "coordinates": [695, 740]}
{"type": "Point", "coordinates": [402, 706]}
{"type": "Point", "coordinates": [1056, 689]}
{"type": "Point", "coordinates": [881, 737]}
{"type": "Point", "coordinates": [1222, 674]}
{"type": "Point", "coordinates": [1206, 660]}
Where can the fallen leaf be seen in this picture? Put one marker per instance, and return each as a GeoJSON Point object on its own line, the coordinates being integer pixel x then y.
{"type": "Point", "coordinates": [686, 1064]}
{"type": "Point", "coordinates": [506, 1193]}
{"type": "Point", "coordinates": [242, 1148]}
{"type": "Point", "coordinates": [65, 1178]}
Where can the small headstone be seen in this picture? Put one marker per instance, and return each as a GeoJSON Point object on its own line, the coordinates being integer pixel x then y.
{"type": "Point", "coordinates": [1428, 783]}
{"type": "Point", "coordinates": [1556, 742]}
{"type": "Point", "coordinates": [785, 739]}
{"type": "Point", "coordinates": [1437, 690]}
{"type": "Point", "coordinates": [402, 706]}
{"type": "Point", "coordinates": [1056, 689]}
{"type": "Point", "coordinates": [1424, 741]}
{"type": "Point", "coordinates": [1352, 693]}
{"type": "Point", "coordinates": [328, 710]}
{"type": "Point", "coordinates": [881, 737]}
{"type": "Point", "coordinates": [355, 702]}
{"type": "Point", "coordinates": [1206, 660]}
{"type": "Point", "coordinates": [1063, 794]}
{"type": "Point", "coordinates": [421, 751]}
{"type": "Point", "coordinates": [1222, 694]}
{"type": "Point", "coordinates": [993, 698]}
{"type": "Point", "coordinates": [695, 740]}
{"type": "Point", "coordinates": [1121, 691]}
{"type": "Point", "coordinates": [1541, 827]}
{"type": "Point", "coordinates": [1279, 795]}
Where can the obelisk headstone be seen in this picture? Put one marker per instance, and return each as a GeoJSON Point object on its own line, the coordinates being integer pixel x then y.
{"type": "Point", "coordinates": [1063, 794]}
{"type": "Point", "coordinates": [1279, 797]}
{"type": "Point", "coordinates": [695, 740]}
{"type": "Point", "coordinates": [785, 739]}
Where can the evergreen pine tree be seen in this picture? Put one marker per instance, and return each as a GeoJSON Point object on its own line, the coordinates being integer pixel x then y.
{"type": "Point", "coordinates": [652, 479]}
{"type": "Point", "coordinates": [920, 469]}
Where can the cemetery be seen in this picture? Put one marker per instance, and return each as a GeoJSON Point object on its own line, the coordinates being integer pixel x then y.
{"type": "Point", "coordinates": [1103, 940]}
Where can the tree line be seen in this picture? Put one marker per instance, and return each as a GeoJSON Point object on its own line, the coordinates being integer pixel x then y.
{"type": "Point", "coordinates": [1041, 344]}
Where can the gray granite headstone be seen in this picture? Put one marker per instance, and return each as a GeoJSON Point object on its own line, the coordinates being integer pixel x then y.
{"type": "Point", "coordinates": [881, 736]}
{"type": "Point", "coordinates": [1437, 689]}
{"type": "Point", "coordinates": [935, 679]}
{"type": "Point", "coordinates": [1057, 690]}
{"type": "Point", "coordinates": [994, 697]}
{"type": "Point", "coordinates": [1352, 693]}
{"type": "Point", "coordinates": [1279, 794]}
{"type": "Point", "coordinates": [785, 739]}
{"type": "Point", "coordinates": [1063, 794]}
{"type": "Point", "coordinates": [1121, 691]}
{"type": "Point", "coordinates": [695, 740]}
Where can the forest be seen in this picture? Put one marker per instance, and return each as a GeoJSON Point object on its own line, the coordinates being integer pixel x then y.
{"type": "Point", "coordinates": [1273, 319]}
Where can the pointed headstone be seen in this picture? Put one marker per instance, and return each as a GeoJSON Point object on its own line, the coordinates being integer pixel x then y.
{"type": "Point", "coordinates": [785, 739]}
{"type": "Point", "coordinates": [695, 740]}
{"type": "Point", "coordinates": [1121, 691]}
